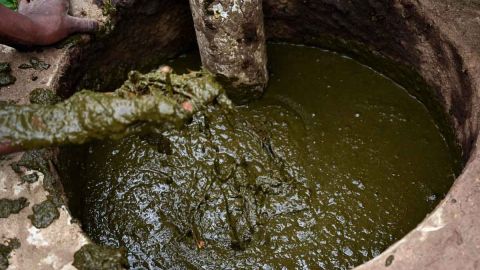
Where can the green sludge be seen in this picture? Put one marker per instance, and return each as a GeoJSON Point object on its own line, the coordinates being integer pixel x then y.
{"type": "Point", "coordinates": [5, 251]}
{"type": "Point", "coordinates": [8, 207]}
{"type": "Point", "coordinates": [94, 257]}
{"type": "Point", "coordinates": [6, 77]}
{"type": "Point", "coordinates": [150, 102]}
{"type": "Point", "coordinates": [44, 214]}
{"type": "Point", "coordinates": [331, 167]}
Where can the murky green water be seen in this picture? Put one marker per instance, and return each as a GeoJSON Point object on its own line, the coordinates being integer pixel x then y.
{"type": "Point", "coordinates": [331, 167]}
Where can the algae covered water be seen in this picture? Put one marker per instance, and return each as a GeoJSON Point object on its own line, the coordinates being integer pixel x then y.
{"type": "Point", "coordinates": [334, 164]}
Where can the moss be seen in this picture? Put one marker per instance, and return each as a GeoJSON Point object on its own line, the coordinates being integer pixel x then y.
{"type": "Point", "coordinates": [8, 207]}
{"type": "Point", "coordinates": [5, 77]}
{"type": "Point", "coordinates": [95, 257]}
{"type": "Point", "coordinates": [5, 251]}
{"type": "Point", "coordinates": [145, 103]}
{"type": "Point", "coordinates": [43, 96]}
{"type": "Point", "coordinates": [44, 214]}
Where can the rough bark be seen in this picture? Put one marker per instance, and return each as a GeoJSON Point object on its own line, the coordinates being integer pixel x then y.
{"type": "Point", "coordinates": [231, 39]}
{"type": "Point", "coordinates": [153, 102]}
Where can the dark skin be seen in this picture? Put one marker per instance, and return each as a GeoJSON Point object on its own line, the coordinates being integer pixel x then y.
{"type": "Point", "coordinates": [38, 22]}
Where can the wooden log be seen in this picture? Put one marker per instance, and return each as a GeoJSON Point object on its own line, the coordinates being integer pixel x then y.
{"type": "Point", "coordinates": [231, 40]}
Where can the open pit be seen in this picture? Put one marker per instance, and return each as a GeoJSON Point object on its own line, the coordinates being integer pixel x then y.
{"type": "Point", "coordinates": [330, 167]}
{"type": "Point", "coordinates": [429, 48]}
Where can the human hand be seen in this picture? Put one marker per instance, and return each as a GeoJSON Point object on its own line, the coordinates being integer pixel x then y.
{"type": "Point", "coordinates": [52, 21]}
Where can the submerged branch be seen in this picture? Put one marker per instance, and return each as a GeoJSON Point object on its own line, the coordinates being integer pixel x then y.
{"type": "Point", "coordinates": [152, 102]}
